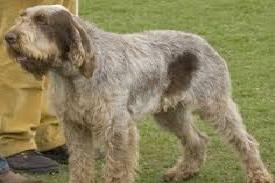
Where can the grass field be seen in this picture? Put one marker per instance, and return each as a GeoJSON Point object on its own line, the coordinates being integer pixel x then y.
{"type": "Point", "coordinates": [243, 32]}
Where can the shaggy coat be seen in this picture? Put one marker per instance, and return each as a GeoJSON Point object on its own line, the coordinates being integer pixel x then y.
{"type": "Point", "coordinates": [102, 82]}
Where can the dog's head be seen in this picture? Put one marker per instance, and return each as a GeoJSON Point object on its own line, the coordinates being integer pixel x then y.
{"type": "Point", "coordinates": [45, 37]}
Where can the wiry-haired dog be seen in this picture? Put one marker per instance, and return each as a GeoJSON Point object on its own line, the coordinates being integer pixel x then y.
{"type": "Point", "coordinates": [101, 82]}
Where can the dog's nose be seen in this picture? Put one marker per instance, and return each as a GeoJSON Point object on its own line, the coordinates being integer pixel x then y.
{"type": "Point", "coordinates": [11, 38]}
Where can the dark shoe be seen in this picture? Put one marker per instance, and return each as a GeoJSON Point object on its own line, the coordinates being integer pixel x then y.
{"type": "Point", "coordinates": [59, 154]}
{"type": "Point", "coordinates": [32, 161]}
{"type": "Point", "coordinates": [10, 177]}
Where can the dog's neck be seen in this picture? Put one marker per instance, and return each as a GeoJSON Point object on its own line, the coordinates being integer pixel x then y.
{"type": "Point", "coordinates": [59, 82]}
{"type": "Point", "coordinates": [65, 68]}
{"type": "Point", "coordinates": [56, 92]}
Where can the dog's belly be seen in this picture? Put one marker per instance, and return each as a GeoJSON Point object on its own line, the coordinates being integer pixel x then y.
{"type": "Point", "coordinates": [144, 103]}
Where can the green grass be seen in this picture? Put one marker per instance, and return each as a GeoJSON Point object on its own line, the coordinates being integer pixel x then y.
{"type": "Point", "coordinates": [243, 32]}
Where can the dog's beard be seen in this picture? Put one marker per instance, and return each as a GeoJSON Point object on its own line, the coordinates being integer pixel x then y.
{"type": "Point", "coordinates": [38, 67]}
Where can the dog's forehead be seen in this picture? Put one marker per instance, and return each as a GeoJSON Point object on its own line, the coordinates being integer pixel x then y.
{"type": "Point", "coordinates": [47, 9]}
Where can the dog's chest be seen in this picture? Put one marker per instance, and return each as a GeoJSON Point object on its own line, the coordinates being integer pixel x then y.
{"type": "Point", "coordinates": [88, 109]}
{"type": "Point", "coordinates": [78, 103]}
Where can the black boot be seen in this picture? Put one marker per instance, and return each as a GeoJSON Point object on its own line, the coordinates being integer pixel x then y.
{"type": "Point", "coordinates": [32, 161]}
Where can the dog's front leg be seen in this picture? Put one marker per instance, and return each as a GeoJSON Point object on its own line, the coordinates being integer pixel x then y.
{"type": "Point", "coordinates": [122, 151]}
{"type": "Point", "coordinates": [80, 144]}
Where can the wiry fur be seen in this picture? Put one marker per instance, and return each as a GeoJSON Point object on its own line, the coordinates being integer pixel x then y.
{"type": "Point", "coordinates": [101, 82]}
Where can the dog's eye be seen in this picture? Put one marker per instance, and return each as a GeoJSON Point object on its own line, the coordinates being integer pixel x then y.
{"type": "Point", "coordinates": [40, 19]}
{"type": "Point", "coordinates": [22, 13]}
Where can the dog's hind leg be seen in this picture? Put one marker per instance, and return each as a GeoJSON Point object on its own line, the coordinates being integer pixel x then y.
{"type": "Point", "coordinates": [122, 151]}
{"type": "Point", "coordinates": [227, 120]}
{"type": "Point", "coordinates": [179, 121]}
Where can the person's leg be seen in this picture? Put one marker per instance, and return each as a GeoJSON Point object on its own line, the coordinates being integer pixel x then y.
{"type": "Point", "coordinates": [21, 105]}
{"type": "Point", "coordinates": [20, 94]}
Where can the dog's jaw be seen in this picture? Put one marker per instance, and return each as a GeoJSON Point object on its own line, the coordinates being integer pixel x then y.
{"type": "Point", "coordinates": [37, 66]}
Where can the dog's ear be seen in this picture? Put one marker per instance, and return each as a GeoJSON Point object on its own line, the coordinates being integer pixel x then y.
{"type": "Point", "coordinates": [81, 52]}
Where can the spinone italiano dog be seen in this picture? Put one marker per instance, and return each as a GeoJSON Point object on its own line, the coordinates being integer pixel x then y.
{"type": "Point", "coordinates": [102, 82]}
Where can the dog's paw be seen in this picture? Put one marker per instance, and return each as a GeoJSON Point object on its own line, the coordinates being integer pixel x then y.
{"type": "Point", "coordinates": [259, 176]}
{"type": "Point", "coordinates": [174, 174]}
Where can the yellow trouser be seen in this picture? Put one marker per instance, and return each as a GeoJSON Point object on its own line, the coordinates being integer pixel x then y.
{"type": "Point", "coordinates": [24, 121]}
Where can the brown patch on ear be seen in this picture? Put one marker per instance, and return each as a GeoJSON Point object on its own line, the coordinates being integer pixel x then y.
{"type": "Point", "coordinates": [81, 53]}
{"type": "Point", "coordinates": [76, 50]}
{"type": "Point", "coordinates": [88, 67]}
{"type": "Point", "coordinates": [74, 41]}
{"type": "Point", "coordinates": [180, 72]}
